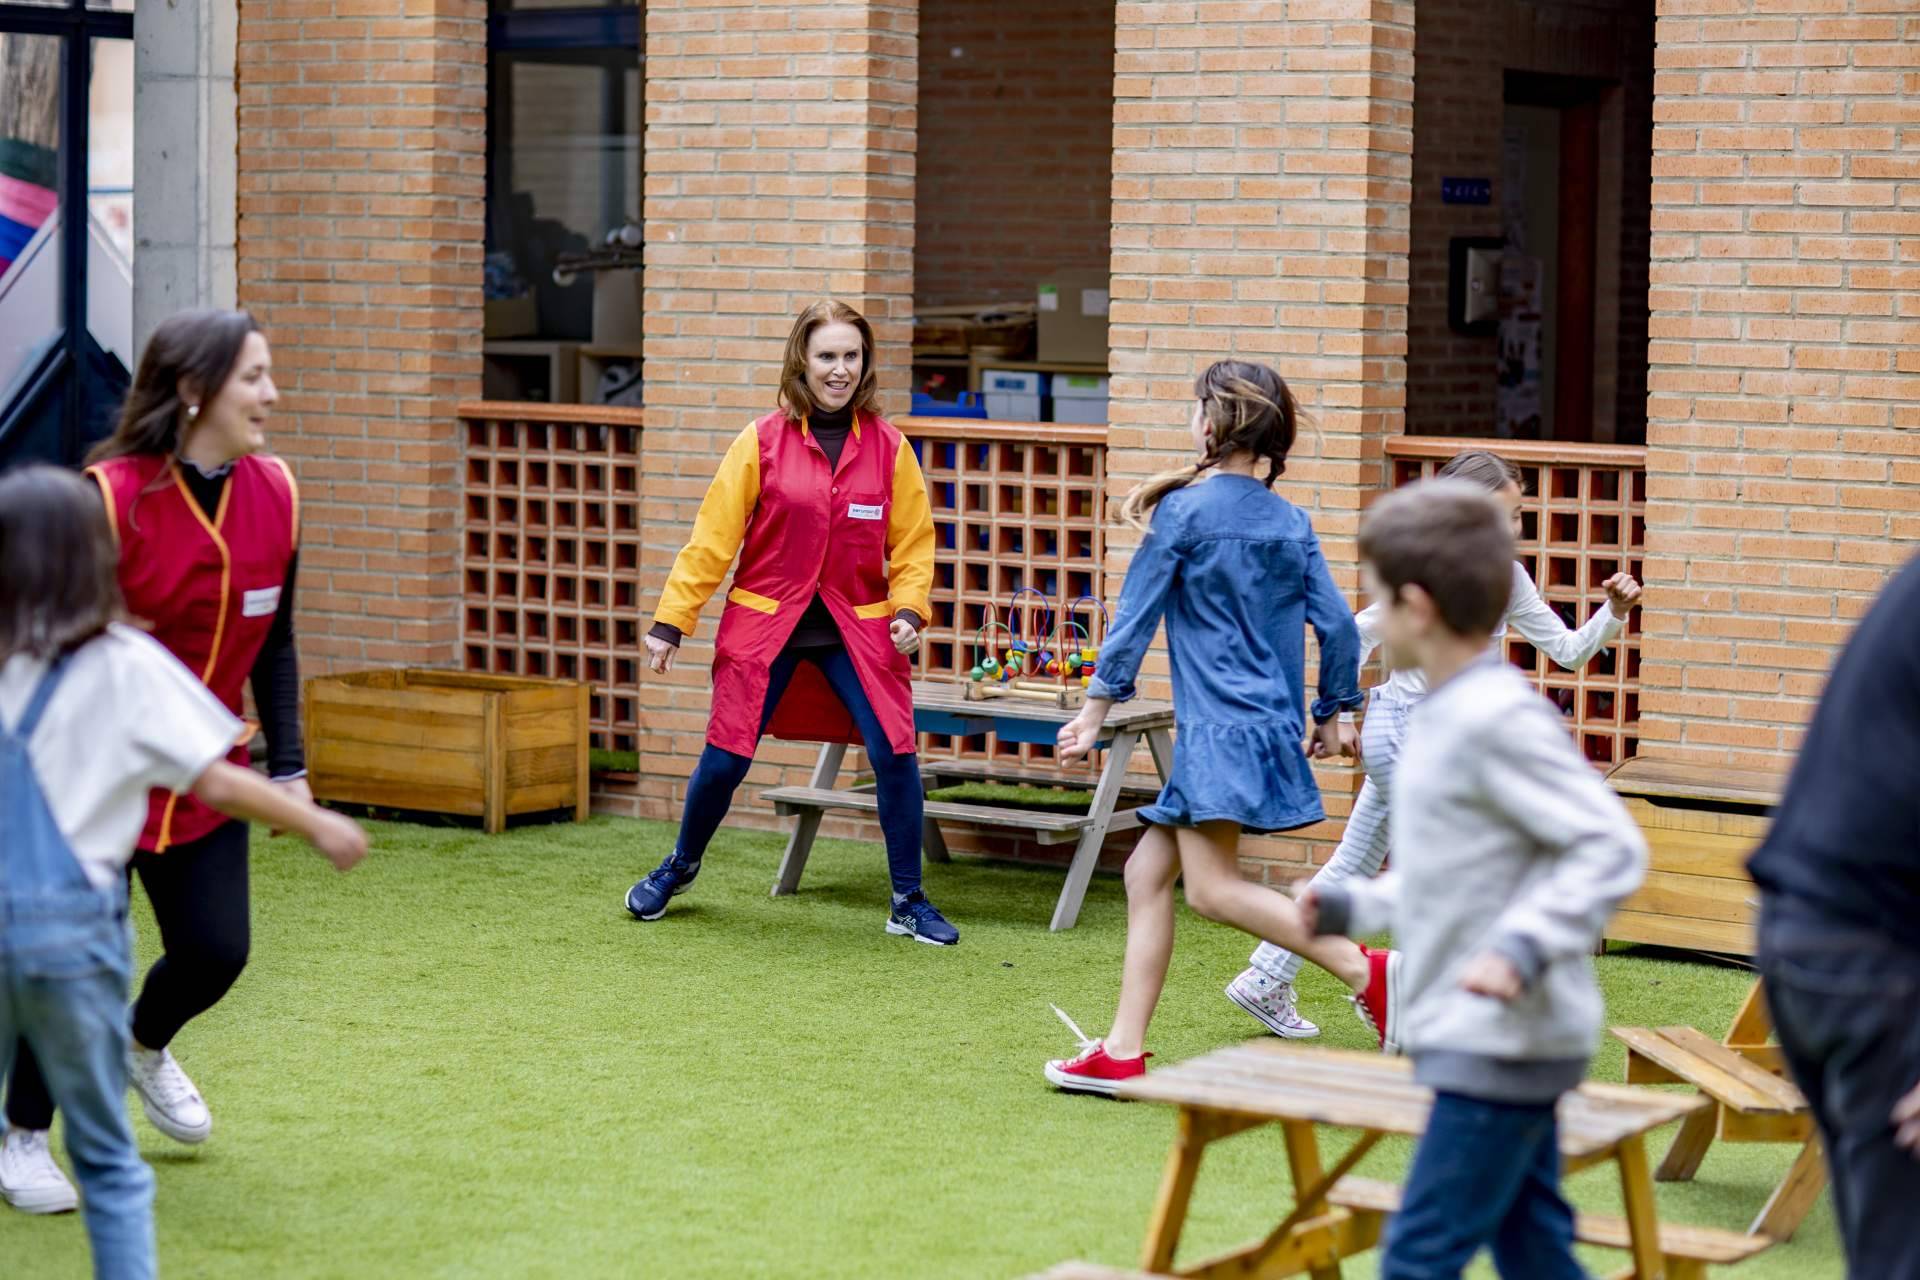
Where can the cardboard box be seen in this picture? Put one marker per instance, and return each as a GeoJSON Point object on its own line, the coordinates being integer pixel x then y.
{"type": "Point", "coordinates": [616, 308]}
{"type": "Point", "coordinates": [1073, 308]}
{"type": "Point", "coordinates": [510, 317]}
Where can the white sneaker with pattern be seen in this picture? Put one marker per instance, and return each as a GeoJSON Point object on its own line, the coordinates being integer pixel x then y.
{"type": "Point", "coordinates": [29, 1179]}
{"type": "Point", "coordinates": [167, 1096]}
{"type": "Point", "coordinates": [1272, 1003]}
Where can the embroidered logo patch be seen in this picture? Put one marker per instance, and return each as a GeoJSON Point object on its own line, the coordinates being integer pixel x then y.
{"type": "Point", "coordinates": [864, 511]}
{"type": "Point", "coordinates": [260, 603]}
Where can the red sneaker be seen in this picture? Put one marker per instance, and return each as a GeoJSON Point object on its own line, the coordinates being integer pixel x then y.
{"type": "Point", "coordinates": [1379, 1005]}
{"type": "Point", "coordinates": [1094, 1071]}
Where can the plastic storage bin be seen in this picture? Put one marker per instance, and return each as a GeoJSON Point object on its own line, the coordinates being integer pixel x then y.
{"type": "Point", "coordinates": [1080, 398]}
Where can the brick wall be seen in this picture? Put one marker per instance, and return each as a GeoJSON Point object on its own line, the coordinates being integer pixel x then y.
{"type": "Point", "coordinates": [1784, 433]}
{"type": "Point", "coordinates": [361, 175]}
{"type": "Point", "coordinates": [1016, 146]}
{"type": "Point", "coordinates": [1261, 188]}
{"type": "Point", "coordinates": [1464, 46]}
{"type": "Point", "coordinates": [779, 168]}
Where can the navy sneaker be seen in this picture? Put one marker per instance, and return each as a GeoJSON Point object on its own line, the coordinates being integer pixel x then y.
{"type": "Point", "coordinates": [920, 920]}
{"type": "Point", "coordinates": [673, 877]}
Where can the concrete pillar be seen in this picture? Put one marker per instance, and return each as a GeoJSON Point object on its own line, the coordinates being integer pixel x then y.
{"type": "Point", "coordinates": [186, 115]}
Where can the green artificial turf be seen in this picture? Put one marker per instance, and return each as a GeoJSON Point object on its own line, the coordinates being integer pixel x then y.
{"type": "Point", "coordinates": [1007, 796]}
{"type": "Point", "coordinates": [601, 760]}
{"type": "Point", "coordinates": [465, 1060]}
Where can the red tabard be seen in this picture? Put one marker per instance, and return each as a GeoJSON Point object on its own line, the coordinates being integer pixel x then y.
{"type": "Point", "coordinates": [208, 587]}
{"type": "Point", "coordinates": [816, 528]}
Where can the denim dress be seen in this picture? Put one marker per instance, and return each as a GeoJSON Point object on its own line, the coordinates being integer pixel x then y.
{"type": "Point", "coordinates": [1238, 574]}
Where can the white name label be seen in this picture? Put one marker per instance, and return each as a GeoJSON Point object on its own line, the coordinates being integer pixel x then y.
{"type": "Point", "coordinates": [258, 604]}
{"type": "Point", "coordinates": [862, 511]}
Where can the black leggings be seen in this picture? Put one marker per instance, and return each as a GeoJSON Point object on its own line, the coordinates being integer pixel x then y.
{"type": "Point", "coordinates": [200, 901]}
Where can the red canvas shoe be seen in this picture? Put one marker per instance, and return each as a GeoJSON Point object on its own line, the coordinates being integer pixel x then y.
{"type": "Point", "coordinates": [1379, 1005]}
{"type": "Point", "coordinates": [1094, 1071]}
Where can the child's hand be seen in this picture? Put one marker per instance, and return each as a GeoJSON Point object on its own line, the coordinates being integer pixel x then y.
{"type": "Point", "coordinates": [339, 840]}
{"type": "Point", "coordinates": [1906, 1119]}
{"type": "Point", "coordinates": [1492, 974]}
{"type": "Point", "coordinates": [1309, 905]}
{"type": "Point", "coordinates": [1077, 736]}
{"type": "Point", "coordinates": [1333, 739]}
{"type": "Point", "coordinates": [1623, 593]}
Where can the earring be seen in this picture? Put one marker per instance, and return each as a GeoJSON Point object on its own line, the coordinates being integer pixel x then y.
{"type": "Point", "coordinates": [193, 411]}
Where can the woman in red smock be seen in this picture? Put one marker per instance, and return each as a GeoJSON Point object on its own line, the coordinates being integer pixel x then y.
{"type": "Point", "coordinates": [824, 504]}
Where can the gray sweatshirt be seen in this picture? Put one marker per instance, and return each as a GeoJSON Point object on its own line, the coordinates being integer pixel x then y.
{"type": "Point", "coordinates": [1503, 839]}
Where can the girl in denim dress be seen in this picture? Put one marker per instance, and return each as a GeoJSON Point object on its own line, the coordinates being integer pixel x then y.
{"type": "Point", "coordinates": [1238, 575]}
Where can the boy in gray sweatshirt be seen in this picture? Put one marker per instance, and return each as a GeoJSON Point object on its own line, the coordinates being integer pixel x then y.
{"type": "Point", "coordinates": [1509, 854]}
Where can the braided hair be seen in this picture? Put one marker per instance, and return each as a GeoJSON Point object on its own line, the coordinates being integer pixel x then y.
{"type": "Point", "coordinates": [1246, 406]}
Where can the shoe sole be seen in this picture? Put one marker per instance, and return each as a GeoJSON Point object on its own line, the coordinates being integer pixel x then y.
{"type": "Point", "coordinates": [1081, 1084]}
{"type": "Point", "coordinates": [903, 931]}
{"type": "Point", "coordinates": [173, 1129]}
{"type": "Point", "coordinates": [52, 1200]}
{"type": "Point", "coordinates": [637, 916]}
{"type": "Point", "coordinates": [1260, 1016]}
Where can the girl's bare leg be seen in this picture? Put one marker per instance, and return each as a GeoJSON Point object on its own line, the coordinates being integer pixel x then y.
{"type": "Point", "coordinates": [1151, 871]}
{"type": "Point", "coordinates": [1209, 856]}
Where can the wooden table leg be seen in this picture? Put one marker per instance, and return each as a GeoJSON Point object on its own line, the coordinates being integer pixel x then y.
{"type": "Point", "coordinates": [1690, 1145]}
{"type": "Point", "coordinates": [1176, 1192]}
{"type": "Point", "coordinates": [1643, 1220]}
{"type": "Point", "coordinates": [1160, 743]}
{"type": "Point", "coordinates": [807, 825]}
{"type": "Point", "coordinates": [1303, 1159]}
{"type": "Point", "coordinates": [1790, 1202]}
{"type": "Point", "coordinates": [932, 840]}
{"type": "Point", "coordinates": [1087, 853]}
{"type": "Point", "coordinates": [1753, 1024]}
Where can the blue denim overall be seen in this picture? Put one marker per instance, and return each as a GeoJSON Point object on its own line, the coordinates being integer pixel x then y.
{"type": "Point", "coordinates": [65, 962]}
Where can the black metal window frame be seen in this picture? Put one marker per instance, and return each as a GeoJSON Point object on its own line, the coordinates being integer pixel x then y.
{"type": "Point", "coordinates": [78, 27]}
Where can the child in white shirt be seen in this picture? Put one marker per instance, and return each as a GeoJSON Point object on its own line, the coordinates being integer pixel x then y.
{"type": "Point", "coordinates": [93, 715]}
{"type": "Point", "coordinates": [1265, 989]}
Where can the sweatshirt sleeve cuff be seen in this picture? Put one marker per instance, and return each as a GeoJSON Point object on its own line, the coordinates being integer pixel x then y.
{"type": "Point", "coordinates": [1336, 911]}
{"type": "Point", "coordinates": [668, 632]}
{"type": "Point", "coordinates": [1520, 951]}
{"type": "Point", "coordinates": [909, 617]}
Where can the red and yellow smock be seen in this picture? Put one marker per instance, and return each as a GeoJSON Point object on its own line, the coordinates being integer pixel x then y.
{"type": "Point", "coordinates": [208, 587]}
{"type": "Point", "coordinates": [859, 535]}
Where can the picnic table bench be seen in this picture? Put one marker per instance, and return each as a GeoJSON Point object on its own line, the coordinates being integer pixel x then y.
{"type": "Point", "coordinates": [944, 708]}
{"type": "Point", "coordinates": [1335, 1215]}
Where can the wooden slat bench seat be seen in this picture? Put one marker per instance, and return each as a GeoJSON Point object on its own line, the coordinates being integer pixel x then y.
{"type": "Point", "coordinates": [1046, 827]}
{"type": "Point", "coordinates": [1092, 1271]}
{"type": "Point", "coordinates": [1752, 1100]}
{"type": "Point", "coordinates": [1687, 1251]}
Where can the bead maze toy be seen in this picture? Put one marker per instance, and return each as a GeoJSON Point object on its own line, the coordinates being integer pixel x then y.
{"type": "Point", "coordinates": [1056, 665]}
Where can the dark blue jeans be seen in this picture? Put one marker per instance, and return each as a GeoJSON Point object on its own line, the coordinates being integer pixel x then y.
{"type": "Point", "coordinates": [1487, 1175]}
{"type": "Point", "coordinates": [1843, 1000]}
{"type": "Point", "coordinates": [897, 777]}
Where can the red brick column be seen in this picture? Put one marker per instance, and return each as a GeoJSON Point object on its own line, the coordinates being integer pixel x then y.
{"type": "Point", "coordinates": [1260, 205]}
{"type": "Point", "coordinates": [361, 196]}
{"type": "Point", "coordinates": [1783, 458]}
{"type": "Point", "coordinates": [779, 163]}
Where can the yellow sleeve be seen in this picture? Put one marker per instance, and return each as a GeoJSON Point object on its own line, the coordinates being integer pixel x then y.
{"type": "Point", "coordinates": [910, 539]}
{"type": "Point", "coordinates": [717, 533]}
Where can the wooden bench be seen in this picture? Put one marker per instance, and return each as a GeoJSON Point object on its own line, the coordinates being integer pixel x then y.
{"type": "Point", "coordinates": [1701, 825]}
{"type": "Point", "coordinates": [1092, 1271]}
{"type": "Point", "coordinates": [943, 708]}
{"type": "Point", "coordinates": [1752, 1100]}
{"type": "Point", "coordinates": [1686, 1251]}
{"type": "Point", "coordinates": [1233, 1090]}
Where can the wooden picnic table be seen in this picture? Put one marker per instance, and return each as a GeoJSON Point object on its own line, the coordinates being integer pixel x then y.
{"type": "Point", "coordinates": [943, 708]}
{"type": "Point", "coordinates": [1232, 1090]}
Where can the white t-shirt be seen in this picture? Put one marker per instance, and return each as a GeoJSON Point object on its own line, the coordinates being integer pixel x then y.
{"type": "Point", "coordinates": [126, 717]}
{"type": "Point", "coordinates": [1526, 613]}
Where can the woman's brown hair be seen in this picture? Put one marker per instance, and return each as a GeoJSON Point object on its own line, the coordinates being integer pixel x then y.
{"type": "Point", "coordinates": [795, 399]}
{"type": "Point", "coordinates": [199, 348]}
{"type": "Point", "coordinates": [1246, 406]}
{"type": "Point", "coordinates": [58, 568]}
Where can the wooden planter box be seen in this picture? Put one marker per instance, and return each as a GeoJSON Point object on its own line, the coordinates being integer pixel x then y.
{"type": "Point", "coordinates": [449, 742]}
{"type": "Point", "coordinates": [1701, 826]}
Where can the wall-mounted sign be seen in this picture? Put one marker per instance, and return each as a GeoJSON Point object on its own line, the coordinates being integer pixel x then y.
{"type": "Point", "coordinates": [1466, 190]}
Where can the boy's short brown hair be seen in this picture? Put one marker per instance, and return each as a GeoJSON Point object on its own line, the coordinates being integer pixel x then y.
{"type": "Point", "coordinates": [1451, 539]}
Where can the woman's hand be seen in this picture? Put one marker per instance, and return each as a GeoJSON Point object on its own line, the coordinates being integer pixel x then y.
{"type": "Point", "coordinates": [1077, 736]}
{"type": "Point", "coordinates": [660, 655]}
{"type": "Point", "coordinates": [905, 636]}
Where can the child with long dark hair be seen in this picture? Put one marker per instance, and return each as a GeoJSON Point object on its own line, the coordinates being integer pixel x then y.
{"type": "Point", "coordinates": [94, 714]}
{"type": "Point", "coordinates": [1238, 574]}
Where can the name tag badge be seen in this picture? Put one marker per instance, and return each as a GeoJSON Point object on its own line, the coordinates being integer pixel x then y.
{"type": "Point", "coordinates": [260, 603]}
{"type": "Point", "coordinates": [863, 511]}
